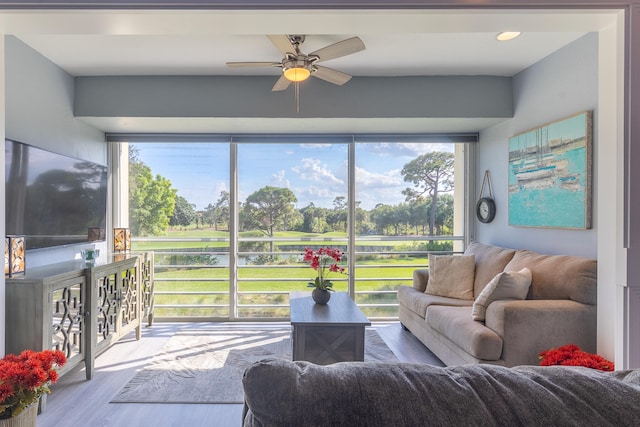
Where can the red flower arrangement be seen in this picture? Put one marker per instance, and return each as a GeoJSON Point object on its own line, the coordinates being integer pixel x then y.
{"type": "Point", "coordinates": [572, 355]}
{"type": "Point", "coordinates": [322, 260]}
{"type": "Point", "coordinates": [24, 378]}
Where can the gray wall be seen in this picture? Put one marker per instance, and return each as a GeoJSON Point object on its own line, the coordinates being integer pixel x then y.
{"type": "Point", "coordinates": [562, 84]}
{"type": "Point", "coordinates": [39, 111]}
{"type": "Point", "coordinates": [225, 96]}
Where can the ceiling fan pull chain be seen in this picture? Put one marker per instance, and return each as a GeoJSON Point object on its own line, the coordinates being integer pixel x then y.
{"type": "Point", "coordinates": [296, 86]}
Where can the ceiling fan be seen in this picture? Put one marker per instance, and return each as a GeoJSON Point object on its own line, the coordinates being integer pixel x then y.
{"type": "Point", "coordinates": [297, 66]}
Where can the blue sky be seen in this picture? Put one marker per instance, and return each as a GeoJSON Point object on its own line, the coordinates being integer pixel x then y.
{"type": "Point", "coordinates": [314, 172]}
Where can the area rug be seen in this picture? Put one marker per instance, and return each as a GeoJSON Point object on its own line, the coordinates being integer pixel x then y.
{"type": "Point", "coordinates": [206, 365]}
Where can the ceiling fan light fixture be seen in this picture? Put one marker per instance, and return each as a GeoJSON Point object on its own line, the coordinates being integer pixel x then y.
{"type": "Point", "coordinates": [297, 74]}
{"type": "Point", "coordinates": [507, 35]}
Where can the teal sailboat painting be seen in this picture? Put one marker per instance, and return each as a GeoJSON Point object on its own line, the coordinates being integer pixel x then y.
{"type": "Point", "coordinates": [550, 175]}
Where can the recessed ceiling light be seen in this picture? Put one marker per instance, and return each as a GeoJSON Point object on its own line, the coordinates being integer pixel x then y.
{"type": "Point", "coordinates": [507, 35]}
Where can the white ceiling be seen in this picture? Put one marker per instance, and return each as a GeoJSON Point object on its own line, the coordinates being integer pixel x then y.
{"type": "Point", "coordinates": [386, 54]}
{"type": "Point", "coordinates": [399, 43]}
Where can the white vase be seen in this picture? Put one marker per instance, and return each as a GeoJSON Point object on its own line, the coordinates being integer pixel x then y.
{"type": "Point", "coordinates": [26, 418]}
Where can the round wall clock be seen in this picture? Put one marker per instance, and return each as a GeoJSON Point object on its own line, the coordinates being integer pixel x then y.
{"type": "Point", "coordinates": [486, 209]}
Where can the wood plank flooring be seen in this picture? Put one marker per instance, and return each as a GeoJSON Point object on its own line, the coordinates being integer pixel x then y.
{"type": "Point", "coordinates": [76, 402]}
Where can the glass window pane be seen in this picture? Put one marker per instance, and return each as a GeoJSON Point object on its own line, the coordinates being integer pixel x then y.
{"type": "Point", "coordinates": [291, 196]}
{"type": "Point", "coordinates": [396, 185]}
{"type": "Point", "coordinates": [179, 208]}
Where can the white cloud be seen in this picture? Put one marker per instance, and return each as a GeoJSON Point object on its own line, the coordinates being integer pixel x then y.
{"type": "Point", "coordinates": [278, 179]}
{"type": "Point", "coordinates": [366, 179]}
{"type": "Point", "coordinates": [315, 171]}
{"type": "Point", "coordinates": [221, 186]}
{"type": "Point", "coordinates": [325, 185]}
{"type": "Point", "coordinates": [406, 149]}
{"type": "Point", "coordinates": [373, 188]}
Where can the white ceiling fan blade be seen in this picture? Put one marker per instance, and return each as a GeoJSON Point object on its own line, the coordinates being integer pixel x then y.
{"type": "Point", "coordinates": [336, 50]}
{"type": "Point", "coordinates": [281, 84]}
{"type": "Point", "coordinates": [282, 43]}
{"type": "Point", "coordinates": [253, 64]}
{"type": "Point", "coordinates": [332, 76]}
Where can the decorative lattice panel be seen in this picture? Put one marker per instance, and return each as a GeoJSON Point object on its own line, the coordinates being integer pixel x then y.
{"type": "Point", "coordinates": [147, 285]}
{"type": "Point", "coordinates": [129, 295]}
{"type": "Point", "coordinates": [108, 297]}
{"type": "Point", "coordinates": [68, 320]}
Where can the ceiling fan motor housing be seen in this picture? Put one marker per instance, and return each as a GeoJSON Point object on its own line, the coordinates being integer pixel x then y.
{"type": "Point", "coordinates": [300, 61]}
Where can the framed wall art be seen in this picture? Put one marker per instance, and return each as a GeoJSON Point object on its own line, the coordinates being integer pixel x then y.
{"type": "Point", "coordinates": [550, 174]}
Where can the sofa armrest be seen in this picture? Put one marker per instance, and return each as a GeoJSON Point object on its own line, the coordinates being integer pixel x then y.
{"type": "Point", "coordinates": [420, 279]}
{"type": "Point", "coordinates": [529, 327]}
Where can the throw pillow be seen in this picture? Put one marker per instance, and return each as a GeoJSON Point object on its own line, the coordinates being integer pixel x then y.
{"type": "Point", "coordinates": [451, 276]}
{"type": "Point", "coordinates": [508, 285]}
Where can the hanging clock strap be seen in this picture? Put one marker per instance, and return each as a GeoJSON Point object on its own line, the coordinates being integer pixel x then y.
{"type": "Point", "coordinates": [486, 181]}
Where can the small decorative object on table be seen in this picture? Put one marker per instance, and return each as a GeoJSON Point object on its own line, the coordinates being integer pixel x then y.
{"type": "Point", "coordinates": [322, 260]}
{"type": "Point", "coordinates": [90, 255]}
{"type": "Point", "coordinates": [14, 255]}
{"type": "Point", "coordinates": [572, 355]}
{"type": "Point", "coordinates": [95, 234]}
{"type": "Point", "coordinates": [23, 379]}
{"type": "Point", "coordinates": [121, 240]}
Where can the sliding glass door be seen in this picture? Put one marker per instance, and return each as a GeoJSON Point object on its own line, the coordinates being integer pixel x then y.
{"type": "Point", "coordinates": [179, 208]}
{"type": "Point", "coordinates": [404, 210]}
{"type": "Point", "coordinates": [292, 195]}
{"type": "Point", "coordinates": [228, 221]}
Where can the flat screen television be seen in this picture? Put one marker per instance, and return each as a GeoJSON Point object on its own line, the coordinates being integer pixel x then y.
{"type": "Point", "coordinates": [53, 199]}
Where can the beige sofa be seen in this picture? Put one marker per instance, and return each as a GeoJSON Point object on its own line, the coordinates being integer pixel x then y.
{"type": "Point", "coordinates": [559, 309]}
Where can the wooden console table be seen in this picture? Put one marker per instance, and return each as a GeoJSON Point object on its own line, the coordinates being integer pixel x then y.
{"type": "Point", "coordinates": [77, 308]}
{"type": "Point", "coordinates": [330, 333]}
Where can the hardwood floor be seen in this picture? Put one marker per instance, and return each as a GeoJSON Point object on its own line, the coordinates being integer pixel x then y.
{"type": "Point", "coordinates": [74, 401]}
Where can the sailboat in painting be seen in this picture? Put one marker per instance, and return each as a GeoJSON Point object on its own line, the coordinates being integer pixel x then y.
{"type": "Point", "coordinates": [538, 166]}
{"type": "Point", "coordinates": [570, 181]}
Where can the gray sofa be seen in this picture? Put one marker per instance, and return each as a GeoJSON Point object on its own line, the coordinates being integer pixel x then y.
{"type": "Point", "coordinates": [559, 309]}
{"type": "Point", "coordinates": [285, 394]}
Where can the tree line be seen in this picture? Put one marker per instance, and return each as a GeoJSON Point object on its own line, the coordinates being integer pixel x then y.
{"type": "Point", "coordinates": [155, 206]}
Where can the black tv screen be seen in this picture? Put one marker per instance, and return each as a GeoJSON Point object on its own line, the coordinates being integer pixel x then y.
{"type": "Point", "coordinates": [53, 199]}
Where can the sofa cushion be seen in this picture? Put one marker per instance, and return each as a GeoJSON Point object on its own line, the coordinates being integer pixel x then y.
{"type": "Point", "coordinates": [451, 276]}
{"type": "Point", "coordinates": [456, 324]}
{"type": "Point", "coordinates": [420, 279]}
{"type": "Point", "coordinates": [508, 285]}
{"type": "Point", "coordinates": [558, 276]}
{"type": "Point", "coordinates": [418, 302]}
{"type": "Point", "coordinates": [490, 260]}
